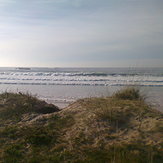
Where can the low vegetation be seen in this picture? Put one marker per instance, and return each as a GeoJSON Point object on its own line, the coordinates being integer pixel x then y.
{"type": "Point", "coordinates": [130, 93]}
{"type": "Point", "coordinates": [117, 129]}
{"type": "Point", "coordinates": [13, 106]}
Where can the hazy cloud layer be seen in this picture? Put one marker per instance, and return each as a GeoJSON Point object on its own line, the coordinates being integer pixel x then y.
{"type": "Point", "coordinates": [81, 33]}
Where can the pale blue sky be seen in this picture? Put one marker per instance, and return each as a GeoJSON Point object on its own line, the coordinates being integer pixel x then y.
{"type": "Point", "coordinates": [81, 33]}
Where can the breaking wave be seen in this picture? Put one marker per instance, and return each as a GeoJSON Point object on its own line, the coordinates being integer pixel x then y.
{"type": "Point", "coordinates": [112, 77]}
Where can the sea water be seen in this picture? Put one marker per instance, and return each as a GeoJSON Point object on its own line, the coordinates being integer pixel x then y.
{"type": "Point", "coordinates": [62, 86]}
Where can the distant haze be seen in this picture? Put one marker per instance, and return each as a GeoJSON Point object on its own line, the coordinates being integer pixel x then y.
{"type": "Point", "coordinates": [81, 33]}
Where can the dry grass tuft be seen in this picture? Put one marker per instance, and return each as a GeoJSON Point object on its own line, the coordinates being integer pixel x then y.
{"type": "Point", "coordinates": [128, 94]}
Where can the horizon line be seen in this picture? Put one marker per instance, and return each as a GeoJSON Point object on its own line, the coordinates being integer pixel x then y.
{"type": "Point", "coordinates": [79, 67]}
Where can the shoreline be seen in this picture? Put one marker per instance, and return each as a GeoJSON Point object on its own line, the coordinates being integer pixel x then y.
{"type": "Point", "coordinates": [62, 95]}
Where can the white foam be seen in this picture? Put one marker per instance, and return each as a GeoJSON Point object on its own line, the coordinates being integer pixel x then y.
{"type": "Point", "coordinates": [78, 78]}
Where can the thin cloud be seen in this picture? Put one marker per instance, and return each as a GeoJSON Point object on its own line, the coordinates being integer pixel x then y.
{"type": "Point", "coordinates": [73, 31]}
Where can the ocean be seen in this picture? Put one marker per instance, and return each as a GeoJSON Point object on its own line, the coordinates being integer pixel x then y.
{"type": "Point", "coordinates": [62, 86]}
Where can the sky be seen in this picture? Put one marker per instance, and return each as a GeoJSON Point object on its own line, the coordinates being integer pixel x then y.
{"type": "Point", "coordinates": [81, 33]}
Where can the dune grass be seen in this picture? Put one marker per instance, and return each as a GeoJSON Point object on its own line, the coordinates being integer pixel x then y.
{"type": "Point", "coordinates": [117, 129]}
{"type": "Point", "coordinates": [14, 105]}
{"type": "Point", "coordinates": [129, 93]}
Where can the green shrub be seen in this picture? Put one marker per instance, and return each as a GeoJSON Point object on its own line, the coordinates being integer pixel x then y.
{"type": "Point", "coordinates": [38, 136]}
{"type": "Point", "coordinates": [9, 132]}
{"type": "Point", "coordinates": [13, 153]}
{"type": "Point", "coordinates": [39, 139]}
